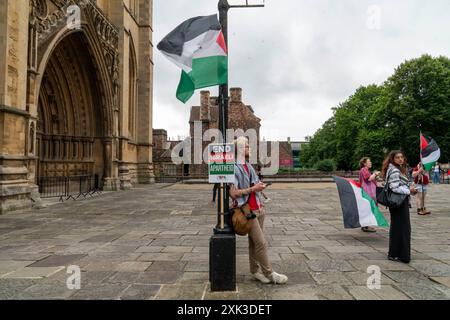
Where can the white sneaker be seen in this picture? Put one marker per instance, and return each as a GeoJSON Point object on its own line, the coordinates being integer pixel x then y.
{"type": "Point", "coordinates": [261, 277]}
{"type": "Point", "coordinates": [277, 278]}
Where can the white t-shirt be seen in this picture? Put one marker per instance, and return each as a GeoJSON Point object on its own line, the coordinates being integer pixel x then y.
{"type": "Point", "coordinates": [436, 169]}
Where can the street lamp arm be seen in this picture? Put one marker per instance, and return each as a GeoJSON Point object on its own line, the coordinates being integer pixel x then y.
{"type": "Point", "coordinates": [248, 6]}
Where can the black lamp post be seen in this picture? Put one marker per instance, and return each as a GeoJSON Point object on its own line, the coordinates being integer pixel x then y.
{"type": "Point", "coordinates": [222, 250]}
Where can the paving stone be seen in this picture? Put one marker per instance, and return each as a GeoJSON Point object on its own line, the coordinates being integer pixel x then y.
{"type": "Point", "coordinates": [103, 238]}
{"type": "Point", "coordinates": [308, 292]}
{"type": "Point", "coordinates": [12, 288]}
{"type": "Point", "coordinates": [102, 265]}
{"type": "Point", "coordinates": [350, 249]}
{"type": "Point", "coordinates": [363, 293]}
{"type": "Point", "coordinates": [384, 265]}
{"type": "Point", "coordinates": [360, 278]}
{"type": "Point", "coordinates": [423, 292]}
{"type": "Point", "coordinates": [32, 273]}
{"type": "Point", "coordinates": [161, 257]}
{"type": "Point", "coordinates": [442, 280]}
{"type": "Point", "coordinates": [431, 268]}
{"type": "Point", "coordinates": [387, 292]}
{"type": "Point", "coordinates": [329, 265]}
{"type": "Point", "coordinates": [158, 277]}
{"type": "Point", "coordinates": [47, 291]}
{"type": "Point", "coordinates": [195, 256]}
{"type": "Point", "coordinates": [140, 292]}
{"type": "Point", "coordinates": [101, 291]}
{"type": "Point", "coordinates": [250, 290]}
{"type": "Point", "coordinates": [293, 256]}
{"type": "Point", "coordinates": [331, 278]}
{"type": "Point", "coordinates": [181, 292]}
{"type": "Point", "coordinates": [198, 266]}
{"type": "Point", "coordinates": [93, 278]}
{"type": "Point", "coordinates": [176, 249]}
{"type": "Point", "coordinates": [290, 266]}
{"type": "Point", "coordinates": [202, 249]}
{"type": "Point", "coordinates": [150, 249]}
{"type": "Point", "coordinates": [317, 256]}
{"type": "Point", "coordinates": [194, 278]}
{"type": "Point", "coordinates": [58, 260]}
{"type": "Point", "coordinates": [300, 278]}
{"type": "Point", "coordinates": [9, 266]}
{"type": "Point", "coordinates": [133, 266]}
{"type": "Point", "coordinates": [123, 277]}
{"type": "Point", "coordinates": [167, 266]}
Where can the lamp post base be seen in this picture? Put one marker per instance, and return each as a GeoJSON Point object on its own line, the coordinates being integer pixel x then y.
{"type": "Point", "coordinates": [222, 262]}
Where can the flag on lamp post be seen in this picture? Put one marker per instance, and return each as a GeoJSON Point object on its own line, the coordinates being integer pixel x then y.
{"type": "Point", "coordinates": [198, 47]}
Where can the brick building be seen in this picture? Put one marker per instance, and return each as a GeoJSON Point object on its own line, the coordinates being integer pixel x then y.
{"type": "Point", "coordinates": [240, 116]}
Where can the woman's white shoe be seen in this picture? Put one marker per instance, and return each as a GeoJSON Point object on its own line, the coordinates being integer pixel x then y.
{"type": "Point", "coordinates": [277, 278]}
{"type": "Point", "coordinates": [261, 277]}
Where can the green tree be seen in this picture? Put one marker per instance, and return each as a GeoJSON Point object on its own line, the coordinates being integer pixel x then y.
{"type": "Point", "coordinates": [377, 119]}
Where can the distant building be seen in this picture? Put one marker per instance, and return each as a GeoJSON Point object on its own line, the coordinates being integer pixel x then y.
{"type": "Point", "coordinates": [162, 155]}
{"type": "Point", "coordinates": [289, 153]}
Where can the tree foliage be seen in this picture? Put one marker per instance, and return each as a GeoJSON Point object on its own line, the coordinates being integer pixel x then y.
{"type": "Point", "coordinates": [377, 119]}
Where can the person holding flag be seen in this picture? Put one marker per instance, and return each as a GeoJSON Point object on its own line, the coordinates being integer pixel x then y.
{"type": "Point", "coordinates": [429, 155]}
{"type": "Point", "coordinates": [421, 179]}
{"type": "Point", "coordinates": [368, 182]}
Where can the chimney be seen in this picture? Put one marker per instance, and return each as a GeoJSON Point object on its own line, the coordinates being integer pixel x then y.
{"type": "Point", "coordinates": [205, 110]}
{"type": "Point", "coordinates": [235, 95]}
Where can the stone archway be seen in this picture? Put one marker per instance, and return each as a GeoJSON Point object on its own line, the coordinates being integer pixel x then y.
{"type": "Point", "coordinates": [70, 128]}
{"type": "Point", "coordinates": [73, 95]}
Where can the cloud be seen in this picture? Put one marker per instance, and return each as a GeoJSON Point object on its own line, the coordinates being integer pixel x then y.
{"type": "Point", "coordinates": [296, 59]}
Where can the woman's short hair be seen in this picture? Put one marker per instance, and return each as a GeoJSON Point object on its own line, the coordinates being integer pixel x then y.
{"type": "Point", "coordinates": [363, 161]}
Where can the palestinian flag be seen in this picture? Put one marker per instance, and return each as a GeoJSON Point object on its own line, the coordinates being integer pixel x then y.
{"type": "Point", "coordinates": [358, 208]}
{"type": "Point", "coordinates": [198, 47]}
{"type": "Point", "coordinates": [429, 152]}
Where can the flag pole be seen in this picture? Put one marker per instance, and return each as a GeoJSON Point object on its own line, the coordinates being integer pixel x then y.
{"type": "Point", "coordinates": [222, 244]}
{"type": "Point", "coordinates": [421, 176]}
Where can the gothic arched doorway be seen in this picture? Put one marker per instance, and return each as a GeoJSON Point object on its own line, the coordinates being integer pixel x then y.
{"type": "Point", "coordinates": [70, 128]}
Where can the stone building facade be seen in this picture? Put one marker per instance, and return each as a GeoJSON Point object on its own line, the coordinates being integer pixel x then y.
{"type": "Point", "coordinates": [240, 116]}
{"type": "Point", "coordinates": [76, 79]}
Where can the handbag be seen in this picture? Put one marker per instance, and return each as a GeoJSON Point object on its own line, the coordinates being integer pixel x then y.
{"type": "Point", "coordinates": [242, 219]}
{"type": "Point", "coordinates": [389, 198]}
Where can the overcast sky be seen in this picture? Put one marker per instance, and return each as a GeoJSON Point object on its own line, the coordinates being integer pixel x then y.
{"type": "Point", "coordinates": [297, 59]}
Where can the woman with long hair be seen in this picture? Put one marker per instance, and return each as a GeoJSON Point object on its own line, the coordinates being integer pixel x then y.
{"type": "Point", "coordinates": [395, 174]}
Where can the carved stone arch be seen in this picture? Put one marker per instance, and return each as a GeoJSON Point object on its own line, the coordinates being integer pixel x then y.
{"type": "Point", "coordinates": [102, 62]}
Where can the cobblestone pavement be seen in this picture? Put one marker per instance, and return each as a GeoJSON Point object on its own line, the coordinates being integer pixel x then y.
{"type": "Point", "coordinates": [152, 243]}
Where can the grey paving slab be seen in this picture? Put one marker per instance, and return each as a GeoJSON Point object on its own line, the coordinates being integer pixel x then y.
{"type": "Point", "coordinates": [58, 260]}
{"type": "Point", "coordinates": [140, 292]}
{"type": "Point", "coordinates": [32, 273]}
{"type": "Point", "coordinates": [181, 292]}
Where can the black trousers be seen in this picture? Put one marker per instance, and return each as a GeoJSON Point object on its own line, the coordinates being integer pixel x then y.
{"type": "Point", "coordinates": [400, 233]}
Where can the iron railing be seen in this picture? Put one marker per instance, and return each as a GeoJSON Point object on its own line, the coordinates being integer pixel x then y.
{"type": "Point", "coordinates": [66, 188]}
